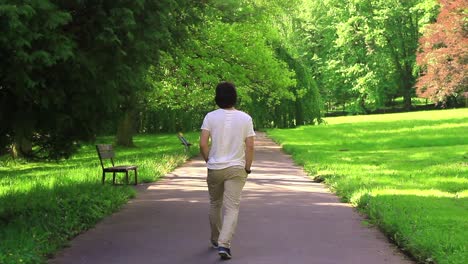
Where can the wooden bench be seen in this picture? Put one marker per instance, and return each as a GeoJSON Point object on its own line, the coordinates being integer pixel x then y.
{"type": "Point", "coordinates": [107, 152]}
{"type": "Point", "coordinates": [184, 142]}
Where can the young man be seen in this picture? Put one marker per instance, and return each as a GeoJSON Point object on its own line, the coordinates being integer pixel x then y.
{"type": "Point", "coordinates": [228, 161]}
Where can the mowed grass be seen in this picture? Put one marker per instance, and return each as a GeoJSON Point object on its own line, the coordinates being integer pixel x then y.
{"type": "Point", "coordinates": [408, 172]}
{"type": "Point", "coordinates": [44, 204]}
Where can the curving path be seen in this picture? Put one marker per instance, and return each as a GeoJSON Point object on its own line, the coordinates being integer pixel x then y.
{"type": "Point", "coordinates": [285, 218]}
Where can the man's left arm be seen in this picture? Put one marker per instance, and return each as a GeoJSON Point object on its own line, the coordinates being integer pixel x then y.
{"type": "Point", "coordinates": [249, 153]}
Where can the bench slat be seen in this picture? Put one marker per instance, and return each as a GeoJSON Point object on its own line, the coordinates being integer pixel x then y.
{"type": "Point", "coordinates": [106, 151]}
{"type": "Point", "coordinates": [184, 142]}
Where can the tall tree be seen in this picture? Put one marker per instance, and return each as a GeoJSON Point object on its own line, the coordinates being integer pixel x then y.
{"type": "Point", "coordinates": [162, 26]}
{"type": "Point", "coordinates": [444, 55]}
{"type": "Point", "coordinates": [400, 23]}
{"type": "Point", "coordinates": [234, 43]}
{"type": "Point", "coordinates": [33, 46]}
{"type": "Point", "coordinates": [66, 66]}
{"type": "Point", "coordinates": [366, 49]}
{"type": "Point", "coordinates": [291, 47]}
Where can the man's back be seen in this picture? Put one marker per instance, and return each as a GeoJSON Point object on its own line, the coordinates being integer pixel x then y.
{"type": "Point", "coordinates": [228, 130]}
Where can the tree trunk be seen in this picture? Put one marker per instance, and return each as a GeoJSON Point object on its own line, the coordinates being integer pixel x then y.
{"type": "Point", "coordinates": [21, 148]}
{"type": "Point", "coordinates": [142, 119]}
{"type": "Point", "coordinates": [171, 121]}
{"type": "Point", "coordinates": [407, 86]}
{"type": "Point", "coordinates": [299, 112]}
{"type": "Point", "coordinates": [407, 98]}
{"type": "Point", "coordinates": [362, 104]}
{"type": "Point", "coordinates": [125, 130]}
{"type": "Point", "coordinates": [22, 145]}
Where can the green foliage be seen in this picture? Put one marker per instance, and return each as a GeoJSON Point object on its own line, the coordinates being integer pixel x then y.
{"type": "Point", "coordinates": [44, 204]}
{"type": "Point", "coordinates": [365, 49]}
{"type": "Point", "coordinates": [65, 61]}
{"type": "Point", "coordinates": [408, 172]}
{"type": "Point", "coordinates": [242, 43]}
{"type": "Point", "coordinates": [442, 56]}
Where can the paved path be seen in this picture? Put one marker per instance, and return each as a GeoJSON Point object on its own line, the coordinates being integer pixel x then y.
{"type": "Point", "coordinates": [284, 219]}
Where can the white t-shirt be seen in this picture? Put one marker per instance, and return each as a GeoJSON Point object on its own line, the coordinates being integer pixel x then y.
{"type": "Point", "coordinates": [228, 131]}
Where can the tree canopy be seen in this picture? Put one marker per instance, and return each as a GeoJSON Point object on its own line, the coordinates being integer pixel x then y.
{"type": "Point", "coordinates": [238, 43]}
{"type": "Point", "coordinates": [365, 50]}
{"type": "Point", "coordinates": [444, 55]}
{"type": "Point", "coordinates": [68, 66]}
{"type": "Point", "coordinates": [72, 70]}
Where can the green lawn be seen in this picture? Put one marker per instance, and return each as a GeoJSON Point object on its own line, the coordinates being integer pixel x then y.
{"type": "Point", "coordinates": [408, 172]}
{"type": "Point", "coordinates": [44, 204]}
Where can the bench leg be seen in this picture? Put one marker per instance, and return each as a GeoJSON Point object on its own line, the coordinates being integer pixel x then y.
{"type": "Point", "coordinates": [136, 177]}
{"type": "Point", "coordinates": [126, 177]}
{"type": "Point", "coordinates": [103, 177]}
{"type": "Point", "coordinates": [113, 178]}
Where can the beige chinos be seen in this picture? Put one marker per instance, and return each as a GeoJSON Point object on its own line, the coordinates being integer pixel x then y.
{"type": "Point", "coordinates": [225, 185]}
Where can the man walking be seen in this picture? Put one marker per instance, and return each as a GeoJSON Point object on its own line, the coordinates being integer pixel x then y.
{"type": "Point", "coordinates": [228, 160]}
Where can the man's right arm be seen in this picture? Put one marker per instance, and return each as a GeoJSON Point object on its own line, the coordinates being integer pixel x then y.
{"type": "Point", "coordinates": [249, 152]}
{"type": "Point", "coordinates": [204, 144]}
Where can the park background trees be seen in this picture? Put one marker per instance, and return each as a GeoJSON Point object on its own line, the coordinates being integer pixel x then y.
{"type": "Point", "coordinates": [68, 67]}
{"type": "Point", "coordinates": [242, 42]}
{"type": "Point", "coordinates": [74, 70]}
{"type": "Point", "coordinates": [444, 55]}
{"type": "Point", "coordinates": [365, 50]}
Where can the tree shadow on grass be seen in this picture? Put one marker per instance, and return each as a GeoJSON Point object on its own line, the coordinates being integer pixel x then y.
{"type": "Point", "coordinates": [37, 222]}
{"type": "Point", "coordinates": [444, 168]}
{"type": "Point", "coordinates": [398, 124]}
{"type": "Point", "coordinates": [378, 135]}
{"type": "Point", "coordinates": [428, 226]}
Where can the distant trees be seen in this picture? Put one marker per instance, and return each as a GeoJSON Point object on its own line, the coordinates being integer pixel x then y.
{"type": "Point", "coordinates": [68, 69]}
{"type": "Point", "coordinates": [68, 66]}
{"type": "Point", "coordinates": [444, 55]}
{"type": "Point", "coordinates": [248, 42]}
{"type": "Point", "coordinates": [33, 49]}
{"type": "Point", "coordinates": [365, 51]}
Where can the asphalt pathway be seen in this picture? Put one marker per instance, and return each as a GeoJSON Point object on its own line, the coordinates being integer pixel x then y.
{"type": "Point", "coordinates": [285, 218]}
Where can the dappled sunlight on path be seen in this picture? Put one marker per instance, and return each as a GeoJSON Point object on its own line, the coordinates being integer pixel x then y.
{"type": "Point", "coordinates": [284, 218]}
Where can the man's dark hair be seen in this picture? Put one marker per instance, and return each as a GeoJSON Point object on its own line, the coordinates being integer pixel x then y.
{"type": "Point", "coordinates": [226, 95]}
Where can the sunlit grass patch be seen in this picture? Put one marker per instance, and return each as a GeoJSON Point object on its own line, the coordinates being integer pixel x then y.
{"type": "Point", "coordinates": [43, 204]}
{"type": "Point", "coordinates": [407, 171]}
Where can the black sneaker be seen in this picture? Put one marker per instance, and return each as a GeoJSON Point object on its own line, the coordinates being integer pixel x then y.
{"type": "Point", "coordinates": [214, 244]}
{"type": "Point", "coordinates": [225, 253]}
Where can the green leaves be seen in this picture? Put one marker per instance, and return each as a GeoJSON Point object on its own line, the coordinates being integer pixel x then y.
{"type": "Point", "coordinates": [365, 49]}
{"type": "Point", "coordinates": [69, 60]}
{"type": "Point", "coordinates": [238, 42]}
